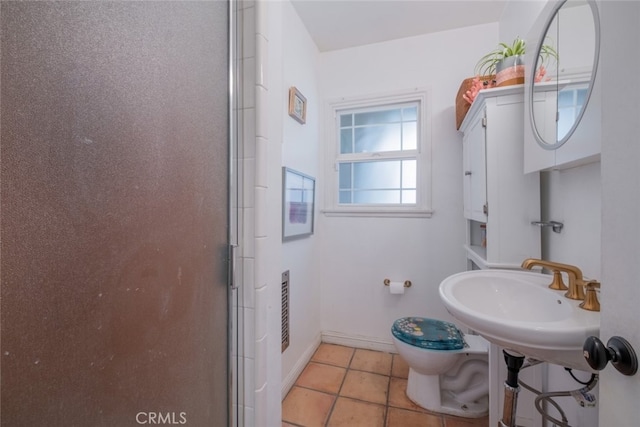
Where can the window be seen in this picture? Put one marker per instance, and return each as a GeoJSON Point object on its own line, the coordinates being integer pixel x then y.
{"type": "Point", "coordinates": [377, 157]}
{"type": "Point", "coordinates": [570, 103]}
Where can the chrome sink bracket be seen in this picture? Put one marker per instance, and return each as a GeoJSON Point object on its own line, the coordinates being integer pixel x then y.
{"type": "Point", "coordinates": [555, 225]}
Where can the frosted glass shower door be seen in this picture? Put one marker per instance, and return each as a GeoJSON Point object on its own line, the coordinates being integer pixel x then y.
{"type": "Point", "coordinates": [114, 213]}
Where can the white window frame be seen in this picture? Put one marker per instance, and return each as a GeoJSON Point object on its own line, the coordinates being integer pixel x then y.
{"type": "Point", "coordinates": [422, 207]}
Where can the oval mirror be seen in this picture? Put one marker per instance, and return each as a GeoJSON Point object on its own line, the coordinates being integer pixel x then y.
{"type": "Point", "coordinates": [567, 56]}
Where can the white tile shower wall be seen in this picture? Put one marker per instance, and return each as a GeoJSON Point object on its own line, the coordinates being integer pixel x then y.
{"type": "Point", "coordinates": [262, 122]}
{"type": "Point", "coordinates": [265, 188]}
{"type": "Point", "coordinates": [261, 60]}
{"type": "Point", "coordinates": [249, 336]}
{"type": "Point", "coordinates": [260, 367]}
{"type": "Point", "coordinates": [248, 271]}
{"type": "Point", "coordinates": [249, 126]}
{"type": "Point", "coordinates": [261, 314]}
{"type": "Point", "coordinates": [249, 75]}
{"type": "Point", "coordinates": [246, 21]}
{"type": "Point", "coordinates": [269, 149]}
{"type": "Point", "coordinates": [248, 31]}
{"type": "Point", "coordinates": [261, 151]}
{"type": "Point", "coordinates": [249, 170]}
{"type": "Point", "coordinates": [261, 226]}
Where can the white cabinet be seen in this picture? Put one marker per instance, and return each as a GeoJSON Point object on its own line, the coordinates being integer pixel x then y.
{"type": "Point", "coordinates": [581, 148]}
{"type": "Point", "coordinates": [475, 173]}
{"type": "Point", "coordinates": [499, 199]}
{"type": "Point", "coordinates": [500, 202]}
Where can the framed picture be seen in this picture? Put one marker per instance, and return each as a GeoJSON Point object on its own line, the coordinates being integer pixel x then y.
{"type": "Point", "coordinates": [297, 105]}
{"type": "Point", "coordinates": [298, 196]}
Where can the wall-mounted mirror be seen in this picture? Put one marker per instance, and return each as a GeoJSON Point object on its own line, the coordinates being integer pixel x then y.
{"type": "Point", "coordinates": [573, 32]}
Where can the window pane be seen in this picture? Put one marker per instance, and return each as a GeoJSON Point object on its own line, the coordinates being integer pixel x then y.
{"type": "Point", "coordinates": [394, 129]}
{"type": "Point", "coordinates": [410, 113]}
{"type": "Point", "coordinates": [409, 197]}
{"type": "Point", "coordinates": [409, 136]}
{"type": "Point", "coordinates": [377, 196]}
{"type": "Point", "coordinates": [345, 175]}
{"type": "Point", "coordinates": [581, 96]}
{"type": "Point", "coordinates": [565, 121]}
{"type": "Point", "coordinates": [377, 117]}
{"type": "Point", "coordinates": [565, 98]}
{"type": "Point", "coordinates": [378, 175]}
{"type": "Point", "coordinates": [390, 179]}
{"type": "Point", "coordinates": [378, 138]}
{"type": "Point", "coordinates": [346, 141]}
{"type": "Point", "coordinates": [345, 196]}
{"type": "Point", "coordinates": [378, 182]}
{"type": "Point", "coordinates": [409, 174]}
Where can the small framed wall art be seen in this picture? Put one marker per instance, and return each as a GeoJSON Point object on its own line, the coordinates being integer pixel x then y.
{"type": "Point", "coordinates": [297, 105]}
{"type": "Point", "coordinates": [298, 204]}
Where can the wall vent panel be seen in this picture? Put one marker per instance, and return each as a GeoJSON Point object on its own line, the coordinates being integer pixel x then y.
{"type": "Point", "coordinates": [285, 310]}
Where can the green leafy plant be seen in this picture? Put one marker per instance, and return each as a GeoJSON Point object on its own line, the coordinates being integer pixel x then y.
{"type": "Point", "coordinates": [546, 52]}
{"type": "Point", "coordinates": [486, 65]}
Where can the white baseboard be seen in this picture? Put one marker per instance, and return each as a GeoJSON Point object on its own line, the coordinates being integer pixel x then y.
{"type": "Point", "coordinates": [293, 375]}
{"type": "Point", "coordinates": [358, 341]}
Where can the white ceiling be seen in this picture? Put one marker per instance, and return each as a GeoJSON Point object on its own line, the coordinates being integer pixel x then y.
{"type": "Point", "coordinates": [339, 24]}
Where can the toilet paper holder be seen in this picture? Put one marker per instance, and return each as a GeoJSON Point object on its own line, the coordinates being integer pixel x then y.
{"type": "Point", "coordinates": [407, 283]}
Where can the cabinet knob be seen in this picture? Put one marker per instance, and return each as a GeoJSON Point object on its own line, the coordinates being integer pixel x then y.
{"type": "Point", "coordinates": [467, 173]}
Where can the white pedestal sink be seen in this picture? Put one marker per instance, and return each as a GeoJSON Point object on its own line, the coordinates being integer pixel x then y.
{"type": "Point", "coordinates": [516, 310]}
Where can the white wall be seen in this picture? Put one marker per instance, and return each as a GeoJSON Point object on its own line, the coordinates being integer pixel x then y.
{"type": "Point", "coordinates": [359, 253]}
{"type": "Point", "coordinates": [573, 197]}
{"type": "Point", "coordinates": [300, 151]}
{"type": "Point", "coordinates": [621, 202]}
{"type": "Point", "coordinates": [517, 19]}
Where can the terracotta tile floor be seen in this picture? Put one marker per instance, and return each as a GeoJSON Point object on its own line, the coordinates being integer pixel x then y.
{"type": "Point", "coordinates": [347, 387]}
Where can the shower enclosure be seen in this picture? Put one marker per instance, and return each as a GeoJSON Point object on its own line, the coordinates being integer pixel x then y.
{"type": "Point", "coordinates": [115, 214]}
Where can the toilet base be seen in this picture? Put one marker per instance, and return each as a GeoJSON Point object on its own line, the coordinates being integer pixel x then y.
{"type": "Point", "coordinates": [424, 391]}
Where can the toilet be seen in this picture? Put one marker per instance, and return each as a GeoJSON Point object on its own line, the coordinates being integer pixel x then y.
{"type": "Point", "coordinates": [448, 370]}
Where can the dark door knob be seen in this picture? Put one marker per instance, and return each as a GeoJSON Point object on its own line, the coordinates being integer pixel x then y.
{"type": "Point", "coordinates": [618, 351]}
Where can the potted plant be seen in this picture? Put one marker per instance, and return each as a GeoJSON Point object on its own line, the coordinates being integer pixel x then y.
{"type": "Point", "coordinates": [500, 67]}
{"type": "Point", "coordinates": [506, 62]}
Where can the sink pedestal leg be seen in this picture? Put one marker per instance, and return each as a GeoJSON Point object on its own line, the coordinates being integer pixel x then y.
{"type": "Point", "coordinates": [511, 389]}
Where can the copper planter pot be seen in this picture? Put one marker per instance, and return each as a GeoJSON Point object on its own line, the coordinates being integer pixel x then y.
{"type": "Point", "coordinates": [510, 71]}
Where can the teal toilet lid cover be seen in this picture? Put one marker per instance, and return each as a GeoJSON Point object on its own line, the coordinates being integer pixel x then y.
{"type": "Point", "coordinates": [428, 333]}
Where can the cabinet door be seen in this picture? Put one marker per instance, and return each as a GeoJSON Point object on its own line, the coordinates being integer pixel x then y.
{"type": "Point", "coordinates": [544, 109]}
{"type": "Point", "coordinates": [584, 146]}
{"type": "Point", "coordinates": [475, 171]}
{"type": "Point", "coordinates": [581, 148]}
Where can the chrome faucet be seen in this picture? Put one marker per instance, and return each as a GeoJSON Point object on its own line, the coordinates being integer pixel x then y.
{"type": "Point", "coordinates": [576, 281]}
